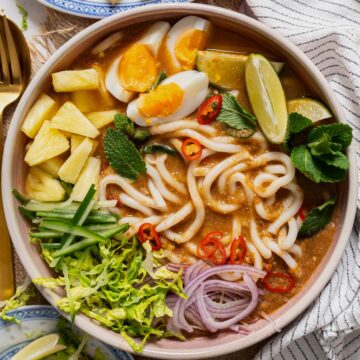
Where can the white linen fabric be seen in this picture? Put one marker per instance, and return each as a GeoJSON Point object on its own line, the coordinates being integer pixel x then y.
{"type": "Point", "coordinates": [328, 32]}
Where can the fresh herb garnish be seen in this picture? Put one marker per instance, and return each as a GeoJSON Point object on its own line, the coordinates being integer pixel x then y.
{"type": "Point", "coordinates": [317, 219]}
{"type": "Point", "coordinates": [320, 157]}
{"type": "Point", "coordinates": [122, 122]}
{"type": "Point", "coordinates": [235, 116]}
{"type": "Point", "coordinates": [24, 14]}
{"type": "Point", "coordinates": [158, 148]}
{"type": "Point", "coordinates": [161, 77]}
{"type": "Point", "coordinates": [141, 134]}
{"type": "Point", "coordinates": [122, 155]}
{"type": "Point", "coordinates": [296, 124]}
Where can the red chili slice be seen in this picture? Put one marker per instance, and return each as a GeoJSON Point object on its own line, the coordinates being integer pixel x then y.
{"type": "Point", "coordinates": [210, 248]}
{"type": "Point", "coordinates": [269, 278]}
{"type": "Point", "coordinates": [147, 232]}
{"type": "Point", "coordinates": [301, 213]}
{"type": "Point", "coordinates": [191, 149]}
{"type": "Point", "coordinates": [209, 110]}
{"type": "Point", "coordinates": [238, 250]}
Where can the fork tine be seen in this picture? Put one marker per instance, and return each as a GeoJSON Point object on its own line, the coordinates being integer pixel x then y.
{"type": "Point", "coordinates": [13, 54]}
{"type": "Point", "coordinates": [4, 57]}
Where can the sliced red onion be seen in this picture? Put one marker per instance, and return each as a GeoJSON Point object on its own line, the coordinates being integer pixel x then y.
{"type": "Point", "coordinates": [215, 304]}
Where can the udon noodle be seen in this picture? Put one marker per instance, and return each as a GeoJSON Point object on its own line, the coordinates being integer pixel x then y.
{"type": "Point", "coordinates": [252, 178]}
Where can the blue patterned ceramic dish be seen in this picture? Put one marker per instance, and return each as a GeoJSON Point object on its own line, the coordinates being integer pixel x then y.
{"type": "Point", "coordinates": [39, 320]}
{"type": "Point", "coordinates": [100, 8]}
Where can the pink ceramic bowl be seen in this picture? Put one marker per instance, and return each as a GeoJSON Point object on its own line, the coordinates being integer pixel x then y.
{"type": "Point", "coordinates": [13, 175]}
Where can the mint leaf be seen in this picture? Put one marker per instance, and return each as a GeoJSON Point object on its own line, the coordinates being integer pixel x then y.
{"type": "Point", "coordinates": [234, 115]}
{"type": "Point", "coordinates": [338, 133]}
{"type": "Point", "coordinates": [296, 124]}
{"type": "Point", "coordinates": [314, 168]}
{"type": "Point", "coordinates": [320, 146]}
{"type": "Point", "coordinates": [336, 159]}
{"type": "Point", "coordinates": [303, 161]}
{"type": "Point", "coordinates": [317, 219]}
{"type": "Point", "coordinates": [122, 122]}
{"type": "Point", "coordinates": [122, 155]}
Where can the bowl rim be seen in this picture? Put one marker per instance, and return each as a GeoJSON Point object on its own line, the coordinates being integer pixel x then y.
{"type": "Point", "coordinates": [19, 239]}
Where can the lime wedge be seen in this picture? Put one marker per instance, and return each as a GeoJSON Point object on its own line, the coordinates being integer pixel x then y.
{"type": "Point", "coordinates": [312, 109]}
{"type": "Point", "coordinates": [40, 348]}
{"type": "Point", "coordinates": [267, 97]}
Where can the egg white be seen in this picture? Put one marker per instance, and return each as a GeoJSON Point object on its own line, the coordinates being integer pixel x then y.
{"type": "Point", "coordinates": [195, 87]}
{"type": "Point", "coordinates": [183, 25]}
{"type": "Point", "coordinates": [152, 38]}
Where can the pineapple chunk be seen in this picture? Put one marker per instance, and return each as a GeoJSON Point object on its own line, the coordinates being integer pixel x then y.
{"type": "Point", "coordinates": [52, 166]}
{"type": "Point", "coordinates": [48, 143]}
{"type": "Point", "coordinates": [92, 100]}
{"type": "Point", "coordinates": [71, 168]}
{"type": "Point", "coordinates": [43, 109]}
{"type": "Point", "coordinates": [101, 118]}
{"type": "Point", "coordinates": [69, 118]}
{"type": "Point", "coordinates": [88, 176]}
{"type": "Point", "coordinates": [76, 140]}
{"type": "Point", "coordinates": [72, 80]}
{"type": "Point", "coordinates": [41, 186]}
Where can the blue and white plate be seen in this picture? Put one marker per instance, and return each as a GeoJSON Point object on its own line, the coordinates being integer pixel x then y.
{"type": "Point", "coordinates": [40, 320]}
{"type": "Point", "coordinates": [100, 8]}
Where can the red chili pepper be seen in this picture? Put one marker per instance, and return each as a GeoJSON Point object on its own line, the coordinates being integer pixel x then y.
{"type": "Point", "coordinates": [280, 288]}
{"type": "Point", "coordinates": [147, 232]}
{"type": "Point", "coordinates": [191, 149]}
{"type": "Point", "coordinates": [210, 248]}
{"type": "Point", "coordinates": [301, 213]}
{"type": "Point", "coordinates": [209, 109]}
{"type": "Point", "coordinates": [238, 250]}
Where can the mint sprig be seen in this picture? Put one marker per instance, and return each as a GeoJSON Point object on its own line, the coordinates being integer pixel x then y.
{"type": "Point", "coordinates": [122, 154]}
{"type": "Point", "coordinates": [317, 219]}
{"type": "Point", "coordinates": [320, 157]}
{"type": "Point", "coordinates": [235, 116]}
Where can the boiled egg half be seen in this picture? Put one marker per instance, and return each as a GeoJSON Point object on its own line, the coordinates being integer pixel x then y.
{"type": "Point", "coordinates": [136, 69]}
{"type": "Point", "coordinates": [183, 41]}
{"type": "Point", "coordinates": [176, 97]}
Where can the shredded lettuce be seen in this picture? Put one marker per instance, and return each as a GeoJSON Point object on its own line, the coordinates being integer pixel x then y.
{"type": "Point", "coordinates": [120, 284]}
{"type": "Point", "coordinates": [20, 298]}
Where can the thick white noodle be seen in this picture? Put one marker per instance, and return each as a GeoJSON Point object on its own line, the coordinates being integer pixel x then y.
{"type": "Point", "coordinates": [289, 209]}
{"type": "Point", "coordinates": [132, 203]}
{"type": "Point", "coordinates": [180, 125]}
{"type": "Point", "coordinates": [296, 250]}
{"type": "Point", "coordinates": [168, 195]}
{"type": "Point", "coordinates": [177, 144]}
{"type": "Point", "coordinates": [287, 237]}
{"type": "Point", "coordinates": [277, 183]}
{"type": "Point", "coordinates": [128, 188]}
{"type": "Point", "coordinates": [260, 139]}
{"type": "Point", "coordinates": [289, 260]}
{"type": "Point", "coordinates": [226, 148]}
{"type": "Point", "coordinates": [211, 177]}
{"type": "Point", "coordinates": [168, 177]}
{"type": "Point", "coordinates": [259, 242]}
{"type": "Point", "coordinates": [155, 193]}
{"type": "Point", "coordinates": [175, 218]}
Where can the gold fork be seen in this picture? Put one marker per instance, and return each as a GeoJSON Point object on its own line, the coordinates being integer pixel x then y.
{"type": "Point", "coordinates": [12, 83]}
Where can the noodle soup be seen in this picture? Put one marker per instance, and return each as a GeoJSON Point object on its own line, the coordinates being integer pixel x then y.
{"type": "Point", "coordinates": [182, 180]}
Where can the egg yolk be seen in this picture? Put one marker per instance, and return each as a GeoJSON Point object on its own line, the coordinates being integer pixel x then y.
{"type": "Point", "coordinates": [187, 46]}
{"type": "Point", "coordinates": [162, 101]}
{"type": "Point", "coordinates": [138, 68]}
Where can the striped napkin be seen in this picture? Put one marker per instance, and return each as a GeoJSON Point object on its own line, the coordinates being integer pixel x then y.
{"type": "Point", "coordinates": [328, 32]}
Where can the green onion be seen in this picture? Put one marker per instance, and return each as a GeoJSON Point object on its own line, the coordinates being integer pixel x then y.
{"type": "Point", "coordinates": [46, 234]}
{"type": "Point", "coordinates": [111, 232]}
{"type": "Point", "coordinates": [51, 246]}
{"type": "Point", "coordinates": [74, 230]}
{"type": "Point", "coordinates": [21, 198]}
{"type": "Point", "coordinates": [93, 217]}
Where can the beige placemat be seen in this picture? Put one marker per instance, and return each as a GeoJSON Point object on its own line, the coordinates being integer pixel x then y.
{"type": "Point", "coordinates": [57, 29]}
